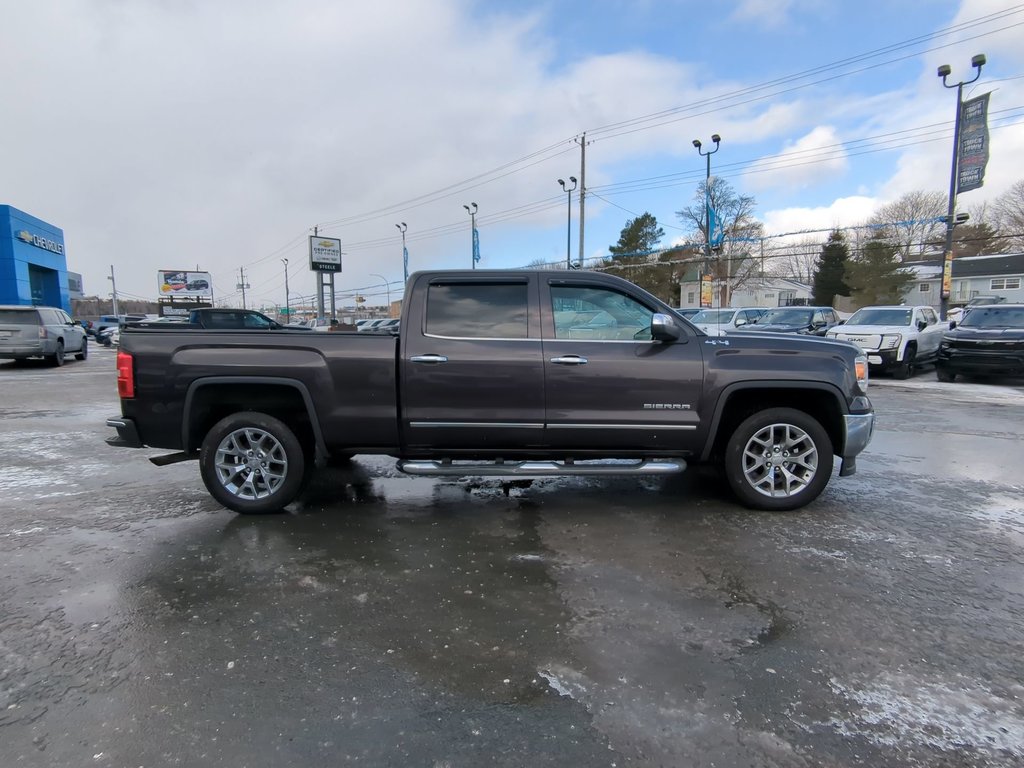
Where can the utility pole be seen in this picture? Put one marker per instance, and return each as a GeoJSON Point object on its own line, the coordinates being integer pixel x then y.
{"type": "Point", "coordinates": [242, 284]}
{"type": "Point", "coordinates": [113, 288]}
{"type": "Point", "coordinates": [583, 186]}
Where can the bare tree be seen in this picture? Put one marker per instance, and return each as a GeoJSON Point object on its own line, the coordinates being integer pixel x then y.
{"type": "Point", "coordinates": [1008, 216]}
{"type": "Point", "coordinates": [737, 260]}
{"type": "Point", "coordinates": [797, 260]}
{"type": "Point", "coordinates": [910, 223]}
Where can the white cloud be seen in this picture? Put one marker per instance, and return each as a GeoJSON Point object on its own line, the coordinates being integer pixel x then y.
{"type": "Point", "coordinates": [844, 212]}
{"type": "Point", "coordinates": [814, 157]}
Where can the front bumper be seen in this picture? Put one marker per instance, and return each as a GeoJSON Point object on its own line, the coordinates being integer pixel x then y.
{"type": "Point", "coordinates": [883, 359]}
{"type": "Point", "coordinates": [981, 361]}
{"type": "Point", "coordinates": [858, 430]}
{"type": "Point", "coordinates": [127, 434]}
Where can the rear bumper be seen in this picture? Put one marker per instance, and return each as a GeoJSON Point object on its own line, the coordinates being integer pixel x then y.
{"type": "Point", "coordinates": [127, 434]}
{"type": "Point", "coordinates": [38, 349]}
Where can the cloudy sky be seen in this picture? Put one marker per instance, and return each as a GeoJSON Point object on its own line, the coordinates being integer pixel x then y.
{"type": "Point", "coordinates": [176, 134]}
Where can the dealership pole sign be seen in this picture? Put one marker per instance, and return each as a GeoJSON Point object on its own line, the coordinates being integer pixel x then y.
{"type": "Point", "coordinates": [324, 254]}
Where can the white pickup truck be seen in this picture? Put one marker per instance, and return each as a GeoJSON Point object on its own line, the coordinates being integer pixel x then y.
{"type": "Point", "coordinates": [896, 339]}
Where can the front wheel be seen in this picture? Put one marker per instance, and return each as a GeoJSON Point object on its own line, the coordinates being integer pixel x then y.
{"type": "Point", "coordinates": [778, 459]}
{"type": "Point", "coordinates": [252, 463]}
{"type": "Point", "coordinates": [906, 368]}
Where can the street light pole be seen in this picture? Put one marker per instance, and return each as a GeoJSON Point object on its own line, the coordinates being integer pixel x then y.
{"type": "Point", "coordinates": [287, 306]}
{"type": "Point", "coordinates": [947, 257]}
{"type": "Point", "coordinates": [387, 287]}
{"type": "Point", "coordinates": [568, 219]}
{"type": "Point", "coordinates": [472, 228]}
{"type": "Point", "coordinates": [707, 190]}
{"type": "Point", "coordinates": [405, 254]}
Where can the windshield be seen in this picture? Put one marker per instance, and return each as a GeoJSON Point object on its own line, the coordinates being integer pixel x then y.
{"type": "Point", "coordinates": [994, 317]}
{"type": "Point", "coordinates": [713, 317]}
{"type": "Point", "coordinates": [786, 317]}
{"type": "Point", "coordinates": [872, 316]}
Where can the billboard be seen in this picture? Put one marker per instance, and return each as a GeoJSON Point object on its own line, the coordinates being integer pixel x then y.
{"type": "Point", "coordinates": [180, 282]}
{"type": "Point", "coordinates": [324, 254]}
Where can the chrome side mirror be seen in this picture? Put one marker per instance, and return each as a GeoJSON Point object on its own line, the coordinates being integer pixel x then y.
{"type": "Point", "coordinates": [664, 328]}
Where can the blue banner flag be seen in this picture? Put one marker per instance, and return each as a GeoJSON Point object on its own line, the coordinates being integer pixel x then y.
{"type": "Point", "coordinates": [716, 232]}
{"type": "Point", "coordinates": [405, 259]}
{"type": "Point", "coordinates": [476, 246]}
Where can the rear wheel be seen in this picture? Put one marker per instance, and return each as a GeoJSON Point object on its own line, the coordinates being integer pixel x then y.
{"type": "Point", "coordinates": [778, 459]}
{"type": "Point", "coordinates": [252, 463]}
{"type": "Point", "coordinates": [57, 358]}
{"type": "Point", "coordinates": [84, 351]}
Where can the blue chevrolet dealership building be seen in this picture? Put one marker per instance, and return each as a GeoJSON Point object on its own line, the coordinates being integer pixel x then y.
{"type": "Point", "coordinates": [33, 264]}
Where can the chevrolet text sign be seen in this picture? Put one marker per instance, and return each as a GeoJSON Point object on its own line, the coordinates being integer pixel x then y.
{"type": "Point", "coordinates": [324, 254]}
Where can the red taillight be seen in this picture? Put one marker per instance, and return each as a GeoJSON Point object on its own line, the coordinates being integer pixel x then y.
{"type": "Point", "coordinates": [125, 375]}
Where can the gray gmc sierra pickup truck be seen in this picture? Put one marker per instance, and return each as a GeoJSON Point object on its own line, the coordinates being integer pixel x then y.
{"type": "Point", "coordinates": [501, 373]}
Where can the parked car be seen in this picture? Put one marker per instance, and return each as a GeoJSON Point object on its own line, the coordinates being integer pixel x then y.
{"type": "Point", "coordinates": [726, 319]}
{"type": "Point", "coordinates": [46, 332]}
{"type": "Point", "coordinates": [390, 325]}
{"type": "Point", "coordinates": [989, 342]}
{"type": "Point", "coordinates": [686, 312]}
{"type": "Point", "coordinates": [896, 338]}
{"type": "Point", "coordinates": [370, 324]}
{"type": "Point", "coordinates": [813, 321]}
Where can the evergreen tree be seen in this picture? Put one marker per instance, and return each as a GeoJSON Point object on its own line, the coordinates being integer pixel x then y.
{"type": "Point", "coordinates": [829, 277]}
{"type": "Point", "coordinates": [639, 237]}
{"type": "Point", "coordinates": [876, 276]}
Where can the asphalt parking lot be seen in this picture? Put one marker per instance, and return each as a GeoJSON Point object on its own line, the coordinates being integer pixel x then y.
{"type": "Point", "coordinates": [389, 620]}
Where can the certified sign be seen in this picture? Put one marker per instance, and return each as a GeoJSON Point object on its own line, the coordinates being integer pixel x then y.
{"type": "Point", "coordinates": [324, 254]}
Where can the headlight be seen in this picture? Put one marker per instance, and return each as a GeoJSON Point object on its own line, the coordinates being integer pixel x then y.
{"type": "Point", "coordinates": [861, 367]}
{"type": "Point", "coordinates": [890, 341]}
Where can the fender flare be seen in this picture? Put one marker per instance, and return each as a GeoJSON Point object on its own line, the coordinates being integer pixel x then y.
{"type": "Point", "coordinates": [195, 386]}
{"type": "Point", "coordinates": [772, 384]}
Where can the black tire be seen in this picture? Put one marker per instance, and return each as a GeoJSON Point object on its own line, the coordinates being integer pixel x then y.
{"type": "Point", "coordinates": [906, 368]}
{"type": "Point", "coordinates": [763, 444]}
{"type": "Point", "coordinates": [84, 351]}
{"type": "Point", "coordinates": [57, 358]}
{"type": "Point", "coordinates": [252, 463]}
{"type": "Point", "coordinates": [944, 375]}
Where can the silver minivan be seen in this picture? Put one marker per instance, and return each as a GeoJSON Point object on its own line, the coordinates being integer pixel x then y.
{"type": "Point", "coordinates": [46, 332]}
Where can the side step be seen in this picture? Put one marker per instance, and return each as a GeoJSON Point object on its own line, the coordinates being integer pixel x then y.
{"type": "Point", "coordinates": [448, 468]}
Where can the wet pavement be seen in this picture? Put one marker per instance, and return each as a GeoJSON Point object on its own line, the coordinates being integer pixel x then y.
{"type": "Point", "coordinates": [389, 620]}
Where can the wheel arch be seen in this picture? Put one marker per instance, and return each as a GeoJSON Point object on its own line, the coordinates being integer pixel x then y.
{"type": "Point", "coordinates": [210, 399]}
{"type": "Point", "coordinates": [820, 400]}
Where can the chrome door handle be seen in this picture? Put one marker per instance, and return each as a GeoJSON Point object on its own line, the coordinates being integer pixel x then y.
{"type": "Point", "coordinates": [569, 360]}
{"type": "Point", "coordinates": [428, 359]}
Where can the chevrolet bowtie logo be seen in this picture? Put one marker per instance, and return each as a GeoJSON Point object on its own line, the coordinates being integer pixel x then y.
{"type": "Point", "coordinates": [25, 236]}
{"type": "Point", "coordinates": [326, 244]}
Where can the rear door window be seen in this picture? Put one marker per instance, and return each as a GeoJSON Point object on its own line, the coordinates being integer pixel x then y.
{"type": "Point", "coordinates": [478, 310]}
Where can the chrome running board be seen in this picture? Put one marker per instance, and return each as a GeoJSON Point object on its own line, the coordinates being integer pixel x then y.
{"type": "Point", "coordinates": [449, 468]}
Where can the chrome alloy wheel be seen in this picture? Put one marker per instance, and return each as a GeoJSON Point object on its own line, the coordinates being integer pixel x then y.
{"type": "Point", "coordinates": [251, 463]}
{"type": "Point", "coordinates": [780, 460]}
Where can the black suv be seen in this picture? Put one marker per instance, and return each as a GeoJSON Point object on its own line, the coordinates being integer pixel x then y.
{"type": "Point", "coordinates": [813, 321]}
{"type": "Point", "coordinates": [988, 342]}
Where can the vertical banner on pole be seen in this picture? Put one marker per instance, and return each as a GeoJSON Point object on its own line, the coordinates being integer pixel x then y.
{"type": "Point", "coordinates": [476, 246]}
{"type": "Point", "coordinates": [973, 151]}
